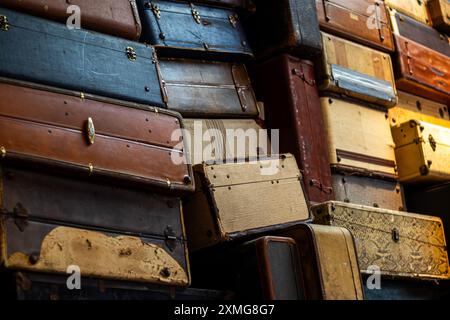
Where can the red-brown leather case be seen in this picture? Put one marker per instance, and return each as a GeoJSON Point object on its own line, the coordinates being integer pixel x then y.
{"type": "Point", "coordinates": [91, 135]}
{"type": "Point", "coordinates": [288, 89]}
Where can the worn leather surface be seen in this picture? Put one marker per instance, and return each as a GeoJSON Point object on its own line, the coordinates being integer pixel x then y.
{"type": "Point", "coordinates": [440, 14]}
{"type": "Point", "coordinates": [115, 17]}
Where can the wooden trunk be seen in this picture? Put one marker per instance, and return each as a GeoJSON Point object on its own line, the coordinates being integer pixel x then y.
{"type": "Point", "coordinates": [46, 52]}
{"type": "Point", "coordinates": [363, 21]}
{"type": "Point", "coordinates": [413, 8]}
{"type": "Point", "coordinates": [208, 89]}
{"type": "Point", "coordinates": [356, 71]}
{"type": "Point", "coordinates": [440, 14]}
{"type": "Point", "coordinates": [414, 107]}
{"type": "Point", "coordinates": [115, 17]}
{"type": "Point", "coordinates": [92, 136]}
{"type": "Point", "coordinates": [186, 30]}
{"type": "Point", "coordinates": [288, 88]}
{"type": "Point", "coordinates": [399, 244]}
{"type": "Point", "coordinates": [359, 137]}
{"type": "Point", "coordinates": [50, 222]}
{"type": "Point", "coordinates": [367, 191]}
{"type": "Point", "coordinates": [235, 200]}
{"type": "Point", "coordinates": [422, 151]}
{"type": "Point", "coordinates": [329, 264]}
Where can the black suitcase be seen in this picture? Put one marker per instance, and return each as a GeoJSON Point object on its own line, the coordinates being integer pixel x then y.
{"type": "Point", "coordinates": [37, 50]}
{"type": "Point", "coordinates": [188, 30]}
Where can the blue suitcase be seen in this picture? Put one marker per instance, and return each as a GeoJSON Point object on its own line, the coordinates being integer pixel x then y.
{"type": "Point", "coordinates": [37, 50]}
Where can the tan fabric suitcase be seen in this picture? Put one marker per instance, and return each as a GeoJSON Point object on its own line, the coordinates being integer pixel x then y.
{"type": "Point", "coordinates": [235, 200]}
{"type": "Point", "coordinates": [416, 9]}
{"type": "Point", "coordinates": [398, 243]}
{"type": "Point", "coordinates": [422, 151]}
{"type": "Point", "coordinates": [414, 107]}
{"type": "Point", "coordinates": [359, 137]}
{"type": "Point", "coordinates": [356, 71]}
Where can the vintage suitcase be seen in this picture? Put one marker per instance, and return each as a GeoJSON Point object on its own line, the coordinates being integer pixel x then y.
{"type": "Point", "coordinates": [329, 264]}
{"type": "Point", "coordinates": [185, 29]}
{"type": "Point", "coordinates": [92, 136]}
{"type": "Point", "coordinates": [423, 152]}
{"type": "Point", "coordinates": [440, 14]}
{"type": "Point", "coordinates": [287, 86]}
{"type": "Point", "coordinates": [236, 200]}
{"type": "Point", "coordinates": [225, 139]}
{"type": "Point", "coordinates": [37, 50]}
{"type": "Point", "coordinates": [38, 286]}
{"type": "Point", "coordinates": [351, 188]}
{"type": "Point", "coordinates": [346, 69]}
{"type": "Point", "coordinates": [398, 243]}
{"type": "Point", "coordinates": [267, 268]}
{"type": "Point", "coordinates": [207, 89]}
{"type": "Point", "coordinates": [359, 137]}
{"type": "Point", "coordinates": [432, 200]}
{"type": "Point", "coordinates": [422, 71]}
{"type": "Point", "coordinates": [247, 5]}
{"type": "Point", "coordinates": [416, 9]}
{"type": "Point", "coordinates": [115, 17]}
{"type": "Point", "coordinates": [414, 107]}
{"type": "Point", "coordinates": [284, 26]}
{"type": "Point", "coordinates": [364, 21]}
{"type": "Point", "coordinates": [409, 28]}
{"type": "Point", "coordinates": [49, 222]}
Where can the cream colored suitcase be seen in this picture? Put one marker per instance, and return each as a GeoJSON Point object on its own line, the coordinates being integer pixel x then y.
{"type": "Point", "coordinates": [356, 71]}
{"type": "Point", "coordinates": [235, 200]}
{"type": "Point", "coordinates": [414, 107]}
{"type": "Point", "coordinates": [359, 137]}
{"type": "Point", "coordinates": [416, 9]}
{"type": "Point", "coordinates": [422, 151]}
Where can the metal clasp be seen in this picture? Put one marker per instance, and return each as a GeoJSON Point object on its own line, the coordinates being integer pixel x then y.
{"type": "Point", "coordinates": [4, 25]}
{"type": "Point", "coordinates": [171, 239]}
{"type": "Point", "coordinates": [233, 19]}
{"type": "Point", "coordinates": [154, 8]}
{"type": "Point", "coordinates": [433, 142]}
{"type": "Point", "coordinates": [395, 235]}
{"type": "Point", "coordinates": [131, 54]}
{"type": "Point", "coordinates": [196, 14]}
{"type": "Point", "coordinates": [90, 131]}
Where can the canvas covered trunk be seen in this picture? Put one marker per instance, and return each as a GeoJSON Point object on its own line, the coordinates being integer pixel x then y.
{"type": "Point", "coordinates": [28, 286]}
{"type": "Point", "coordinates": [329, 264]}
{"type": "Point", "coordinates": [92, 136]}
{"type": "Point", "coordinates": [236, 200]}
{"type": "Point", "coordinates": [359, 137]}
{"type": "Point", "coordinates": [414, 107]}
{"type": "Point", "coordinates": [412, 8]}
{"type": "Point", "coordinates": [284, 26]}
{"type": "Point", "coordinates": [113, 232]}
{"type": "Point", "coordinates": [115, 17]}
{"type": "Point", "coordinates": [373, 192]}
{"type": "Point", "coordinates": [356, 71]}
{"type": "Point", "coordinates": [440, 14]}
{"type": "Point", "coordinates": [193, 30]}
{"type": "Point", "coordinates": [364, 21]}
{"type": "Point", "coordinates": [423, 152]}
{"type": "Point", "coordinates": [267, 268]}
{"type": "Point", "coordinates": [77, 60]}
{"type": "Point", "coordinates": [288, 88]}
{"type": "Point", "coordinates": [398, 243]}
{"type": "Point", "coordinates": [226, 139]}
{"type": "Point", "coordinates": [208, 89]}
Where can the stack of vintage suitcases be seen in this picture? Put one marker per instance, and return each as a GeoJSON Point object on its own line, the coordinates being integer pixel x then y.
{"type": "Point", "coordinates": [245, 148]}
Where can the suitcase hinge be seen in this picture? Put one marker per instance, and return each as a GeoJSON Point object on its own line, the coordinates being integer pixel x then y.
{"type": "Point", "coordinates": [233, 18]}
{"type": "Point", "coordinates": [4, 24]}
{"type": "Point", "coordinates": [90, 131]}
{"type": "Point", "coordinates": [131, 54]}
{"type": "Point", "coordinates": [20, 214]}
{"type": "Point", "coordinates": [154, 8]}
{"type": "Point", "coordinates": [302, 76]}
{"type": "Point", "coordinates": [170, 238]}
{"type": "Point", "coordinates": [325, 11]}
{"type": "Point", "coordinates": [195, 14]}
{"type": "Point", "coordinates": [433, 143]}
{"type": "Point", "coordinates": [2, 152]}
{"type": "Point", "coordinates": [378, 18]}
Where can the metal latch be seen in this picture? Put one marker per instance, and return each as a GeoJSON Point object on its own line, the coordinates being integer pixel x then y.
{"type": "Point", "coordinates": [196, 14]}
{"type": "Point", "coordinates": [90, 131]}
{"type": "Point", "coordinates": [4, 25]}
{"type": "Point", "coordinates": [233, 19]}
{"type": "Point", "coordinates": [131, 54]}
{"type": "Point", "coordinates": [154, 8]}
{"type": "Point", "coordinates": [433, 143]}
{"type": "Point", "coordinates": [395, 235]}
{"type": "Point", "coordinates": [171, 239]}
{"type": "Point", "coordinates": [2, 152]}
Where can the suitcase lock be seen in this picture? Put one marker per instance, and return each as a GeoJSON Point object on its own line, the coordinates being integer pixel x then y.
{"type": "Point", "coordinates": [131, 53]}
{"type": "Point", "coordinates": [395, 235]}
{"type": "Point", "coordinates": [433, 143]}
{"type": "Point", "coordinates": [90, 131]}
{"type": "Point", "coordinates": [4, 25]}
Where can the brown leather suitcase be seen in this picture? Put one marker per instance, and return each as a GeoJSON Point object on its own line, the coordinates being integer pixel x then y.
{"type": "Point", "coordinates": [440, 14]}
{"type": "Point", "coordinates": [288, 89]}
{"type": "Point", "coordinates": [363, 21]}
{"type": "Point", "coordinates": [115, 17]}
{"type": "Point", "coordinates": [234, 201]}
{"type": "Point", "coordinates": [329, 263]}
{"type": "Point", "coordinates": [92, 136]}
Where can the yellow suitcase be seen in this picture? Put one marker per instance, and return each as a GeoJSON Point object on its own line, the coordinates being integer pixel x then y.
{"type": "Point", "coordinates": [440, 14]}
{"type": "Point", "coordinates": [422, 151]}
{"type": "Point", "coordinates": [416, 9]}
